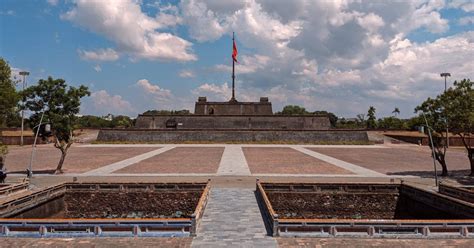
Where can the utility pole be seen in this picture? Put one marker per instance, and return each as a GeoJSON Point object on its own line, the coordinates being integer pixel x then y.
{"type": "Point", "coordinates": [24, 74]}
{"type": "Point", "coordinates": [445, 75]}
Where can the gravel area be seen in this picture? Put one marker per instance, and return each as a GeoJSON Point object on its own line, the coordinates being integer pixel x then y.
{"type": "Point", "coordinates": [97, 242]}
{"type": "Point", "coordinates": [79, 159]}
{"type": "Point", "coordinates": [409, 160]}
{"type": "Point", "coordinates": [389, 243]}
{"type": "Point", "coordinates": [285, 160]}
{"type": "Point", "coordinates": [180, 160]}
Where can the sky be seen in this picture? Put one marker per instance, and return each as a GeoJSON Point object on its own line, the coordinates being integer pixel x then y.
{"type": "Point", "coordinates": [341, 56]}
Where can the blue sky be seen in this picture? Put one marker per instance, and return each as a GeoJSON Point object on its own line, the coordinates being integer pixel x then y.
{"type": "Point", "coordinates": [325, 55]}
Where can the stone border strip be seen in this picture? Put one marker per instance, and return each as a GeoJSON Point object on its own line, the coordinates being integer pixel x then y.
{"type": "Point", "coordinates": [343, 164]}
{"type": "Point", "coordinates": [233, 162]}
{"type": "Point", "coordinates": [223, 145]}
{"type": "Point", "coordinates": [127, 162]}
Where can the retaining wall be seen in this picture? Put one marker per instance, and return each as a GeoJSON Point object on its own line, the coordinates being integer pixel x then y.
{"type": "Point", "coordinates": [245, 136]}
{"type": "Point", "coordinates": [262, 122]}
{"type": "Point", "coordinates": [453, 140]}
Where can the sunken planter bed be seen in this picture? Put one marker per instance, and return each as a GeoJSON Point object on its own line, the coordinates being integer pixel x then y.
{"type": "Point", "coordinates": [363, 210]}
{"type": "Point", "coordinates": [107, 209]}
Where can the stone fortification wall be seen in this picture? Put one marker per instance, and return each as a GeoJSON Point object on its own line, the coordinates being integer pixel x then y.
{"type": "Point", "coordinates": [272, 122]}
{"type": "Point", "coordinates": [203, 107]}
{"type": "Point", "coordinates": [216, 136]}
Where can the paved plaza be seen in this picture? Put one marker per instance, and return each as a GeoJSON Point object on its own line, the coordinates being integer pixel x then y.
{"type": "Point", "coordinates": [236, 160]}
{"type": "Point", "coordinates": [232, 217]}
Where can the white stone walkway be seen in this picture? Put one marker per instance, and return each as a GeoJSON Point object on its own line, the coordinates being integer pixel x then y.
{"type": "Point", "coordinates": [233, 162]}
{"type": "Point", "coordinates": [232, 218]}
{"type": "Point", "coordinates": [343, 164]}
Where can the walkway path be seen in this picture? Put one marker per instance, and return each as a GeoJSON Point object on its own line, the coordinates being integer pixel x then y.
{"type": "Point", "coordinates": [232, 219]}
{"type": "Point", "coordinates": [233, 162]}
{"type": "Point", "coordinates": [343, 164]}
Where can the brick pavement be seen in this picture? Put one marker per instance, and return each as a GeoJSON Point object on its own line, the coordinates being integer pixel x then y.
{"type": "Point", "coordinates": [342, 164]}
{"type": "Point", "coordinates": [127, 162]}
{"type": "Point", "coordinates": [232, 219]}
{"type": "Point", "coordinates": [180, 160]}
{"type": "Point", "coordinates": [406, 160]}
{"type": "Point", "coordinates": [286, 160]}
{"type": "Point", "coordinates": [78, 159]}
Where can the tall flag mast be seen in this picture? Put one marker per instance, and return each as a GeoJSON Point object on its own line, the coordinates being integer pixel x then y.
{"type": "Point", "coordinates": [234, 59]}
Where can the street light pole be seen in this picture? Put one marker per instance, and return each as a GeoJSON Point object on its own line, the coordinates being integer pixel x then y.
{"type": "Point", "coordinates": [24, 74]}
{"type": "Point", "coordinates": [445, 75]}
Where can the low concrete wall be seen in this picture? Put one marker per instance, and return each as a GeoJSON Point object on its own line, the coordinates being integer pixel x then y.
{"type": "Point", "coordinates": [453, 140]}
{"type": "Point", "coordinates": [16, 140]}
{"type": "Point", "coordinates": [304, 122]}
{"type": "Point", "coordinates": [245, 136]}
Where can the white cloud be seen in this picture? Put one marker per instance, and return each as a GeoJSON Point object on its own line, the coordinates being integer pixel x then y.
{"type": "Point", "coordinates": [465, 5]}
{"type": "Point", "coordinates": [108, 54]}
{"type": "Point", "coordinates": [53, 2]}
{"type": "Point", "coordinates": [8, 12]}
{"type": "Point", "coordinates": [101, 102]}
{"type": "Point", "coordinates": [186, 74]}
{"type": "Point", "coordinates": [214, 92]}
{"type": "Point", "coordinates": [97, 68]}
{"type": "Point", "coordinates": [467, 20]}
{"type": "Point", "coordinates": [247, 64]}
{"type": "Point", "coordinates": [371, 22]}
{"type": "Point", "coordinates": [134, 32]}
{"type": "Point", "coordinates": [159, 94]}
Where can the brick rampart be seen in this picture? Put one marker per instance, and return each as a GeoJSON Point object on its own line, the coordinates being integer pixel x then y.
{"type": "Point", "coordinates": [244, 136]}
{"type": "Point", "coordinates": [269, 122]}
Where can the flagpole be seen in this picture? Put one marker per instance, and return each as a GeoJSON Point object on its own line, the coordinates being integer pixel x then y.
{"type": "Point", "coordinates": [233, 72]}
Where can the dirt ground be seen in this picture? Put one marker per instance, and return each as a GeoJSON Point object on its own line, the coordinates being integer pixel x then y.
{"type": "Point", "coordinates": [97, 242]}
{"type": "Point", "coordinates": [179, 204]}
{"type": "Point", "coordinates": [180, 160]}
{"type": "Point", "coordinates": [284, 160]}
{"type": "Point", "coordinates": [362, 243]}
{"type": "Point", "coordinates": [332, 205]}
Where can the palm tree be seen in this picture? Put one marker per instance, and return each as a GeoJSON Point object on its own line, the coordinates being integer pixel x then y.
{"type": "Point", "coordinates": [396, 111]}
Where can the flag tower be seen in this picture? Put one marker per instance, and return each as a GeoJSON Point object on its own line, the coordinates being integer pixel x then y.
{"type": "Point", "coordinates": [234, 59]}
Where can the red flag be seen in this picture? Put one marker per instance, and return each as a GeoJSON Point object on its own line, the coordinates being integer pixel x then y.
{"type": "Point", "coordinates": [234, 52]}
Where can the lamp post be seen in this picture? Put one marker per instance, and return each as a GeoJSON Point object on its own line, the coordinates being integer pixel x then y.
{"type": "Point", "coordinates": [445, 75]}
{"type": "Point", "coordinates": [24, 74]}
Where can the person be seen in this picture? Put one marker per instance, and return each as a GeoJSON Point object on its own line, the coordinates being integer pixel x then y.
{"type": "Point", "coordinates": [3, 174]}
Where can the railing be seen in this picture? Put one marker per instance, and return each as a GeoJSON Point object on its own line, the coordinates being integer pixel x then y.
{"type": "Point", "coordinates": [380, 228]}
{"type": "Point", "coordinates": [116, 227]}
{"type": "Point", "coordinates": [7, 189]}
{"type": "Point", "coordinates": [460, 192]}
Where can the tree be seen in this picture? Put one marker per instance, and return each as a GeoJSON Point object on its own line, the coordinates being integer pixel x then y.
{"type": "Point", "coordinates": [293, 110]}
{"type": "Point", "coordinates": [396, 111]}
{"type": "Point", "coordinates": [122, 121]}
{"type": "Point", "coordinates": [460, 108]}
{"type": "Point", "coordinates": [8, 95]}
{"type": "Point", "coordinates": [436, 115]}
{"type": "Point", "coordinates": [391, 123]}
{"type": "Point", "coordinates": [60, 104]}
{"type": "Point", "coordinates": [371, 119]}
